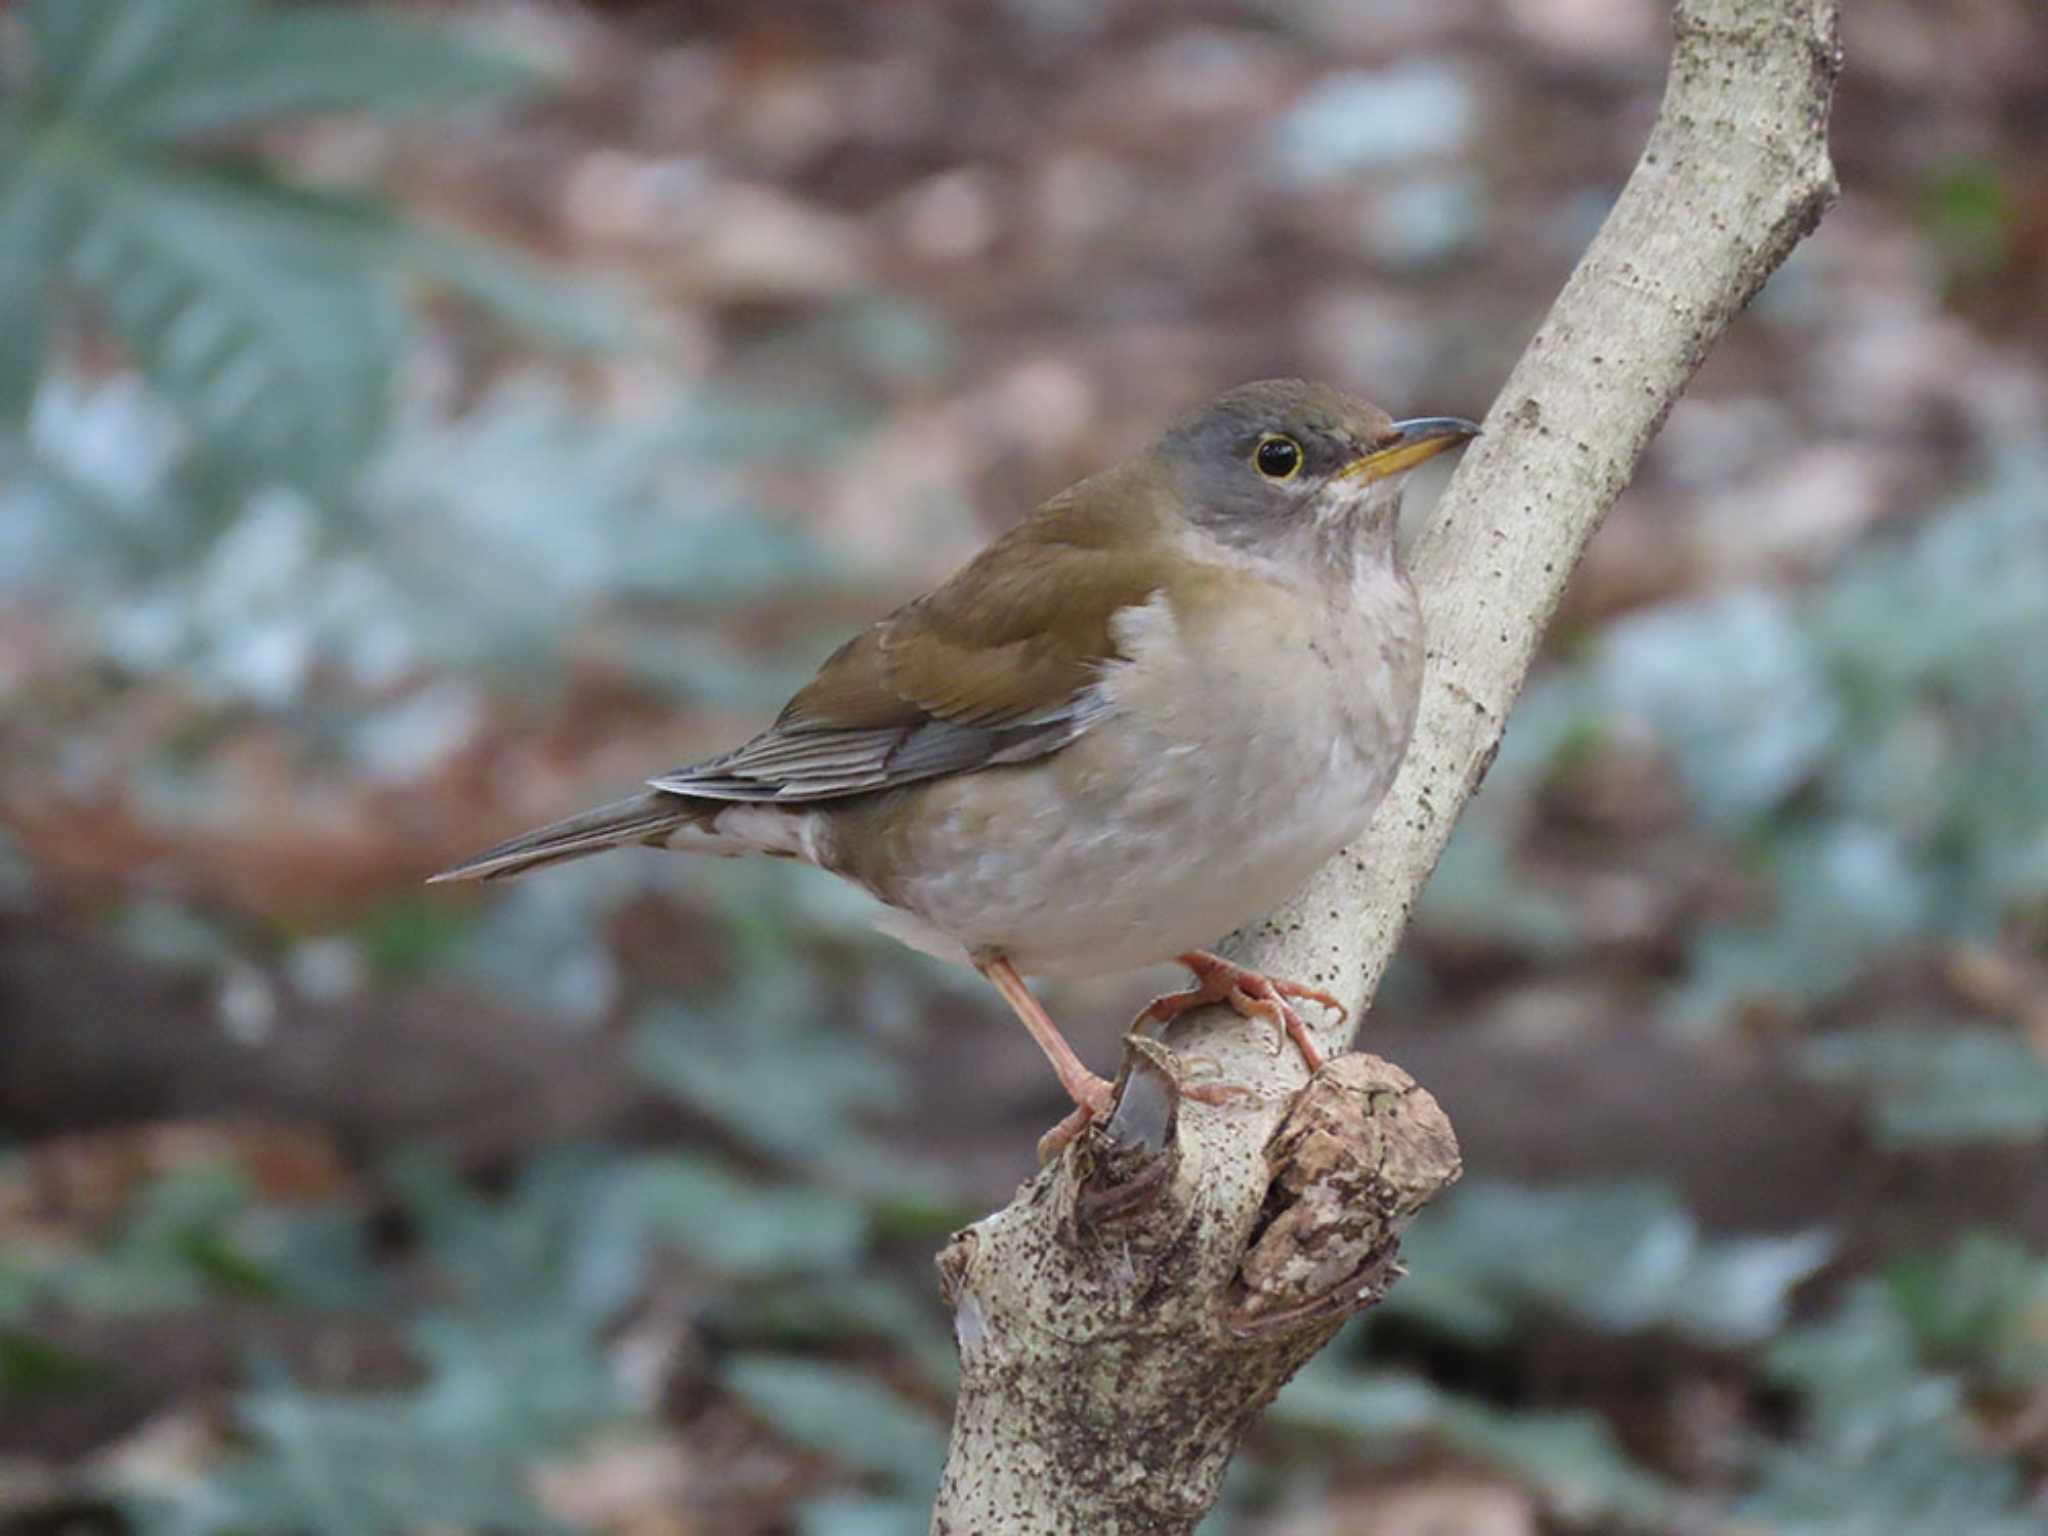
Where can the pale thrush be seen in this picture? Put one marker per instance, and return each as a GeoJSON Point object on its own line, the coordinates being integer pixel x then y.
{"type": "Point", "coordinates": [1141, 717]}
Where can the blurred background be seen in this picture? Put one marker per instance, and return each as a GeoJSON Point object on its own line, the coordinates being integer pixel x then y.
{"type": "Point", "coordinates": [421, 421]}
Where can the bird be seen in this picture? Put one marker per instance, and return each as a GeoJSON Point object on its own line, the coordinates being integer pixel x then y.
{"type": "Point", "coordinates": [1141, 717]}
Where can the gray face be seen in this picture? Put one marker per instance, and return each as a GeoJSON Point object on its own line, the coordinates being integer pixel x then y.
{"type": "Point", "coordinates": [1257, 466]}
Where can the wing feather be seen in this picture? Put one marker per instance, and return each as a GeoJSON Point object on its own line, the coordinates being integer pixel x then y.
{"type": "Point", "coordinates": [1001, 664]}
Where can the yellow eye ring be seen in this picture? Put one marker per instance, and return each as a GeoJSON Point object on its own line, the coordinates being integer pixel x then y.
{"type": "Point", "coordinates": [1278, 457]}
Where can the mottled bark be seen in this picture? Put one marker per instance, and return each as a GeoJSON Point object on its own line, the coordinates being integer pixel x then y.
{"type": "Point", "coordinates": [1129, 1313]}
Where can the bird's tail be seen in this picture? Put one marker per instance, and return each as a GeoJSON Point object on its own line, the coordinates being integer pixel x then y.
{"type": "Point", "coordinates": [650, 819]}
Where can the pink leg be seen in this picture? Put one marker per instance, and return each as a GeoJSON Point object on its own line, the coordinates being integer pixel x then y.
{"type": "Point", "coordinates": [1091, 1094]}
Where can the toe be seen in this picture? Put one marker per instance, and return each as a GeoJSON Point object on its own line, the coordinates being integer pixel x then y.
{"type": "Point", "coordinates": [1094, 1098]}
{"type": "Point", "coordinates": [1056, 1140]}
{"type": "Point", "coordinates": [1221, 1093]}
{"type": "Point", "coordinates": [1168, 1006]}
{"type": "Point", "coordinates": [1251, 1005]}
{"type": "Point", "coordinates": [1309, 994]}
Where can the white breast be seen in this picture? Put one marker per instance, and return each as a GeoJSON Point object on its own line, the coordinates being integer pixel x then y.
{"type": "Point", "coordinates": [1221, 776]}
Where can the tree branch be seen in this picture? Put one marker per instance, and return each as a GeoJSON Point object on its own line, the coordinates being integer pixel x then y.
{"type": "Point", "coordinates": [1127, 1315]}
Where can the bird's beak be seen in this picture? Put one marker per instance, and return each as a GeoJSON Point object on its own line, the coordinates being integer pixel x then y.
{"type": "Point", "coordinates": [1413, 441]}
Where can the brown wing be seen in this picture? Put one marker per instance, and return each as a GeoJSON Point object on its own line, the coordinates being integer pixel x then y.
{"type": "Point", "coordinates": [998, 665]}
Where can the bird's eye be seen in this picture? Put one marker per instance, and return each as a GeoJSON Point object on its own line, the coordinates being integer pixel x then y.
{"type": "Point", "coordinates": [1277, 457]}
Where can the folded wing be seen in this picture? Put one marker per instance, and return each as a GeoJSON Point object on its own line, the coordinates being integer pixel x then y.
{"type": "Point", "coordinates": [999, 665]}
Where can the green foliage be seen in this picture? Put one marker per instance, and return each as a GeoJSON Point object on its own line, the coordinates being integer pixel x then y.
{"type": "Point", "coordinates": [1982, 1309]}
{"type": "Point", "coordinates": [1934, 1086]}
{"type": "Point", "coordinates": [361, 1466]}
{"type": "Point", "coordinates": [528, 495]}
{"type": "Point", "coordinates": [1884, 1448]}
{"type": "Point", "coordinates": [1972, 219]}
{"type": "Point", "coordinates": [759, 1063]}
{"type": "Point", "coordinates": [825, 1308]}
{"type": "Point", "coordinates": [249, 594]}
{"type": "Point", "coordinates": [173, 69]}
{"type": "Point", "coordinates": [514, 1370]}
{"type": "Point", "coordinates": [30, 1365]}
{"type": "Point", "coordinates": [270, 315]}
{"type": "Point", "coordinates": [17, 876]}
{"type": "Point", "coordinates": [1569, 1457]}
{"type": "Point", "coordinates": [1926, 809]}
{"type": "Point", "coordinates": [1477, 893]}
{"type": "Point", "coordinates": [34, 212]}
{"type": "Point", "coordinates": [845, 1413]}
{"type": "Point", "coordinates": [1733, 688]}
{"type": "Point", "coordinates": [409, 933]}
{"type": "Point", "coordinates": [1884, 1386]}
{"type": "Point", "coordinates": [168, 934]}
{"type": "Point", "coordinates": [852, 1418]}
{"type": "Point", "coordinates": [1945, 714]}
{"type": "Point", "coordinates": [1872, 748]}
{"type": "Point", "coordinates": [563, 1244]}
{"type": "Point", "coordinates": [542, 943]}
{"type": "Point", "coordinates": [1844, 891]}
{"type": "Point", "coordinates": [739, 1226]}
{"type": "Point", "coordinates": [864, 1515]}
{"type": "Point", "coordinates": [1492, 1259]}
{"type": "Point", "coordinates": [191, 1236]}
{"type": "Point", "coordinates": [263, 314]}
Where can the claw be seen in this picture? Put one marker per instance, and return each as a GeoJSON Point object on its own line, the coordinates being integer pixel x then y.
{"type": "Point", "coordinates": [1253, 995]}
{"type": "Point", "coordinates": [1096, 1099]}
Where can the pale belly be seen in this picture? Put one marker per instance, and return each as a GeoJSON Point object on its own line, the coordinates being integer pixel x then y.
{"type": "Point", "coordinates": [1130, 853]}
{"type": "Point", "coordinates": [1139, 840]}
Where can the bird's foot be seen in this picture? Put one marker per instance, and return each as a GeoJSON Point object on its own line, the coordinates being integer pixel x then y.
{"type": "Point", "coordinates": [1216, 980]}
{"type": "Point", "coordinates": [1093, 1097]}
{"type": "Point", "coordinates": [1101, 1102]}
{"type": "Point", "coordinates": [1252, 993]}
